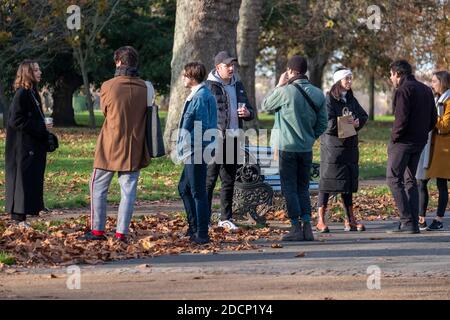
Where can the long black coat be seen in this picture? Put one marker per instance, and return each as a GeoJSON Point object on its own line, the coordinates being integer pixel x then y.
{"type": "Point", "coordinates": [25, 155]}
{"type": "Point", "coordinates": [339, 158]}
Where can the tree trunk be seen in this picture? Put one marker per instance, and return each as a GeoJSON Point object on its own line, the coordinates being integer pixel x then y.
{"type": "Point", "coordinates": [202, 29]}
{"type": "Point", "coordinates": [316, 65]}
{"type": "Point", "coordinates": [87, 93]}
{"type": "Point", "coordinates": [63, 113]}
{"type": "Point", "coordinates": [281, 60]}
{"type": "Point", "coordinates": [248, 31]}
{"type": "Point", "coordinates": [372, 96]}
{"type": "Point", "coordinates": [81, 59]}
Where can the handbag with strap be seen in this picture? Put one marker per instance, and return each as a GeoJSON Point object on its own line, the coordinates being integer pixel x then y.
{"type": "Point", "coordinates": [345, 124]}
{"type": "Point", "coordinates": [153, 133]}
{"type": "Point", "coordinates": [52, 140]}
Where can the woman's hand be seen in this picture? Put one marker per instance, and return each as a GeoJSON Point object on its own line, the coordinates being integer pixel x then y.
{"type": "Point", "coordinates": [356, 123]}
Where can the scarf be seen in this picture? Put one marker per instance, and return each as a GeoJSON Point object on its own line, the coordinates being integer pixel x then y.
{"type": "Point", "coordinates": [126, 71]}
{"type": "Point", "coordinates": [443, 97]}
{"type": "Point", "coordinates": [300, 76]}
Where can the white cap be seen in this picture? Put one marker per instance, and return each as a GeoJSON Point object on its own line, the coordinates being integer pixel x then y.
{"type": "Point", "coordinates": [341, 74]}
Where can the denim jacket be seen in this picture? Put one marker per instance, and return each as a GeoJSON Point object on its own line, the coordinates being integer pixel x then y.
{"type": "Point", "coordinates": [199, 115]}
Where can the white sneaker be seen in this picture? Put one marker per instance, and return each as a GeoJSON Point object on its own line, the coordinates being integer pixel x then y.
{"type": "Point", "coordinates": [228, 224]}
{"type": "Point", "coordinates": [25, 225]}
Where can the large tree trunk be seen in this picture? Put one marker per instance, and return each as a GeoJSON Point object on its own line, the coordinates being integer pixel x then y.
{"type": "Point", "coordinates": [202, 29]}
{"type": "Point", "coordinates": [316, 65]}
{"type": "Point", "coordinates": [65, 86]}
{"type": "Point", "coordinates": [248, 31]}
{"type": "Point", "coordinates": [372, 96]}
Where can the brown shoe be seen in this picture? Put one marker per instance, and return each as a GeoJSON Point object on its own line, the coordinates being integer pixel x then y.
{"type": "Point", "coordinates": [321, 227]}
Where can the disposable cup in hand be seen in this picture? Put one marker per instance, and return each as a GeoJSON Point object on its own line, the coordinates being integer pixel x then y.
{"type": "Point", "coordinates": [48, 121]}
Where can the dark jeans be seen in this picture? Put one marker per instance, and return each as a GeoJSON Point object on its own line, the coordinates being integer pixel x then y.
{"type": "Point", "coordinates": [295, 171]}
{"type": "Point", "coordinates": [423, 196]}
{"type": "Point", "coordinates": [400, 175]}
{"type": "Point", "coordinates": [192, 189]}
{"type": "Point", "coordinates": [227, 172]}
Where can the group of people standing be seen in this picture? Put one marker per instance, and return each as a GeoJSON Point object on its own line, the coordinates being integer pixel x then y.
{"type": "Point", "coordinates": [218, 101]}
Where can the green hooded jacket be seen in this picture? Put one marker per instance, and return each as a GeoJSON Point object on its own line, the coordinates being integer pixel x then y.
{"type": "Point", "coordinates": [297, 122]}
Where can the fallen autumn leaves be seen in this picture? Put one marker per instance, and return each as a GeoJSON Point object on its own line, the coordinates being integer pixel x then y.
{"type": "Point", "coordinates": [149, 236]}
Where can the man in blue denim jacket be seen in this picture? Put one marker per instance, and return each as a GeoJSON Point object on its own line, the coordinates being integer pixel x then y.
{"type": "Point", "coordinates": [197, 130]}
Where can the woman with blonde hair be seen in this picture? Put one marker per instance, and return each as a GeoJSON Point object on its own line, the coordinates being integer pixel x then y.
{"type": "Point", "coordinates": [26, 146]}
{"type": "Point", "coordinates": [435, 159]}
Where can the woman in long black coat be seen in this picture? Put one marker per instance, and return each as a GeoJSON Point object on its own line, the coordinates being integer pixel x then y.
{"type": "Point", "coordinates": [25, 151]}
{"type": "Point", "coordinates": [339, 167]}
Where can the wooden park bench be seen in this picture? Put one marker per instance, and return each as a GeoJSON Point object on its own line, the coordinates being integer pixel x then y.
{"type": "Point", "coordinates": [258, 180]}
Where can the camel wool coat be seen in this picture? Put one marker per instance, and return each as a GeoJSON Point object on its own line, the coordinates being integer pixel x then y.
{"type": "Point", "coordinates": [440, 146]}
{"type": "Point", "coordinates": [121, 144]}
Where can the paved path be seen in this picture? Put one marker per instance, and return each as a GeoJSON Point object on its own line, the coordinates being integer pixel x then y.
{"type": "Point", "coordinates": [336, 266]}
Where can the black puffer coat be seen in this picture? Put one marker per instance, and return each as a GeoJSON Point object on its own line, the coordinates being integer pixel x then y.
{"type": "Point", "coordinates": [339, 158]}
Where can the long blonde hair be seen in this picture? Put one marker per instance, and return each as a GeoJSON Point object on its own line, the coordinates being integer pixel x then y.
{"type": "Point", "coordinates": [25, 75]}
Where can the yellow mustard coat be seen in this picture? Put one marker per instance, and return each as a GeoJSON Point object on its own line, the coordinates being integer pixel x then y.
{"type": "Point", "coordinates": [440, 146]}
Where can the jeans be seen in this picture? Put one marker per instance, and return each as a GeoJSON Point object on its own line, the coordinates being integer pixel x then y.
{"type": "Point", "coordinates": [101, 179]}
{"type": "Point", "coordinates": [192, 189]}
{"type": "Point", "coordinates": [423, 196]}
{"type": "Point", "coordinates": [400, 175]}
{"type": "Point", "coordinates": [295, 171]}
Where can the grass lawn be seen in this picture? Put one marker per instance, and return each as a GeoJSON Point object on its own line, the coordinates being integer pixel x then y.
{"type": "Point", "coordinates": [69, 168]}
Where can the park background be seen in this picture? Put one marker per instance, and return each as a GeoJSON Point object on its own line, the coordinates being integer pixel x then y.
{"type": "Point", "coordinates": [362, 35]}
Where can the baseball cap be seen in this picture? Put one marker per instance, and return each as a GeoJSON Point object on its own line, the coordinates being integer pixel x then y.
{"type": "Point", "coordinates": [223, 57]}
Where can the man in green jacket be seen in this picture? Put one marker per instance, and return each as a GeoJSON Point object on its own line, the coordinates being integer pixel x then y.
{"type": "Point", "coordinates": [300, 119]}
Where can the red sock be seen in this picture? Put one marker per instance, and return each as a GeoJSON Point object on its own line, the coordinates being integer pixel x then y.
{"type": "Point", "coordinates": [120, 235]}
{"type": "Point", "coordinates": [98, 233]}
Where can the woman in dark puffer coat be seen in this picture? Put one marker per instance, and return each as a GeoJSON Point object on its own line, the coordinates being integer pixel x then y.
{"type": "Point", "coordinates": [339, 158]}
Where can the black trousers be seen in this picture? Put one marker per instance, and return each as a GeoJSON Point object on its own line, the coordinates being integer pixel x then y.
{"type": "Point", "coordinates": [400, 175]}
{"type": "Point", "coordinates": [18, 217]}
{"type": "Point", "coordinates": [423, 196]}
{"type": "Point", "coordinates": [323, 197]}
{"type": "Point", "coordinates": [225, 167]}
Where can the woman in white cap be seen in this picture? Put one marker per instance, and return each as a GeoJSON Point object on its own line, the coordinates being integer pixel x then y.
{"type": "Point", "coordinates": [339, 167]}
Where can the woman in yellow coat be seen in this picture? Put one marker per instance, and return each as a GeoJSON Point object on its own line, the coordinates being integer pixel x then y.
{"type": "Point", "coordinates": [439, 166]}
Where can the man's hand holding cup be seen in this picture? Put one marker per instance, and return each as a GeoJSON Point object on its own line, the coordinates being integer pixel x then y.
{"type": "Point", "coordinates": [242, 110]}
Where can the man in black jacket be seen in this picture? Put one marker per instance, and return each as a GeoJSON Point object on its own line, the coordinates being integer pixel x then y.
{"type": "Point", "coordinates": [232, 109]}
{"type": "Point", "coordinates": [415, 115]}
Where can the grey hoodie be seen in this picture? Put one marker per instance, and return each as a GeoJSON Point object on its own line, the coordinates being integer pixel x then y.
{"type": "Point", "coordinates": [230, 89]}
